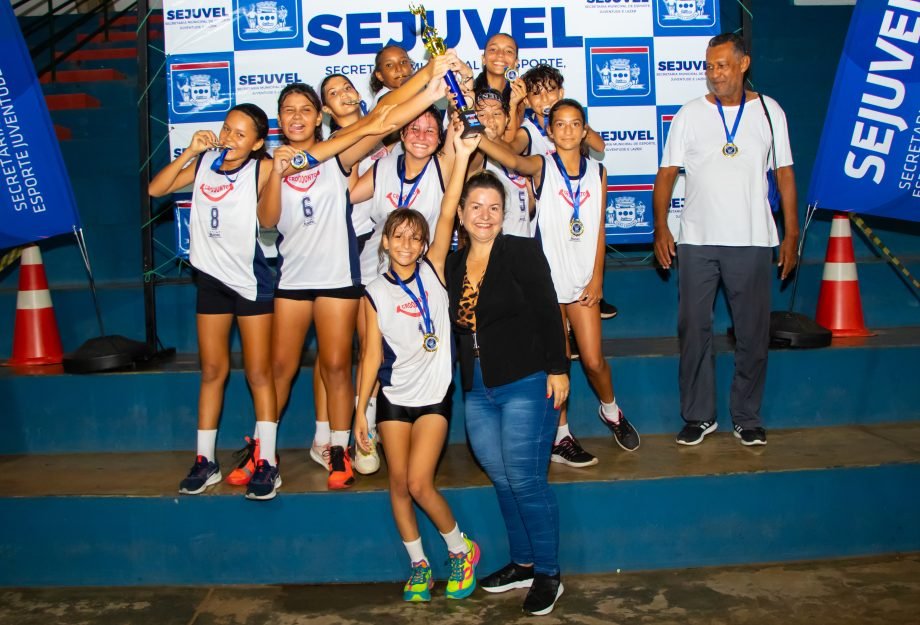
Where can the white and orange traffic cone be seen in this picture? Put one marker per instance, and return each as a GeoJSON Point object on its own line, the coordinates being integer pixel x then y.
{"type": "Point", "coordinates": [36, 340]}
{"type": "Point", "coordinates": [839, 304]}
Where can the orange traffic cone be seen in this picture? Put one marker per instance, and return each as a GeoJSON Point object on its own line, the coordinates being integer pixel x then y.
{"type": "Point", "coordinates": [36, 340]}
{"type": "Point", "coordinates": [839, 304]}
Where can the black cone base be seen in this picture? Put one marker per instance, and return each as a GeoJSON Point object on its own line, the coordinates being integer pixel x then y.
{"type": "Point", "coordinates": [105, 353]}
{"type": "Point", "coordinates": [790, 329]}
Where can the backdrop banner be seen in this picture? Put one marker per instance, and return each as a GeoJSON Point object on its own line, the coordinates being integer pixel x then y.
{"type": "Point", "coordinates": [629, 62]}
{"type": "Point", "coordinates": [869, 156]}
{"type": "Point", "coordinates": [36, 200]}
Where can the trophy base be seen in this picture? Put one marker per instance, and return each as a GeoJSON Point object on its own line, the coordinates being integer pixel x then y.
{"type": "Point", "coordinates": [471, 124]}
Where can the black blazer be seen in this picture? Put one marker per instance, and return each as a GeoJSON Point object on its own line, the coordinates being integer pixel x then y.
{"type": "Point", "coordinates": [518, 324]}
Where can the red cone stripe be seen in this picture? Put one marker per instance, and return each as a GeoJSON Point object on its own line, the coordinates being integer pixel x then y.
{"type": "Point", "coordinates": [840, 250]}
{"type": "Point", "coordinates": [32, 278]}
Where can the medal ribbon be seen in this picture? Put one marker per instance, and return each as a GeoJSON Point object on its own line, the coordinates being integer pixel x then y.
{"type": "Point", "coordinates": [576, 195]}
{"type": "Point", "coordinates": [529, 114]}
{"type": "Point", "coordinates": [730, 136]}
{"type": "Point", "coordinates": [402, 181]}
{"type": "Point", "coordinates": [421, 306]}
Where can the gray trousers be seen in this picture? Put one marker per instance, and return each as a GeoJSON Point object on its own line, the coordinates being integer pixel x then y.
{"type": "Point", "coordinates": [745, 274]}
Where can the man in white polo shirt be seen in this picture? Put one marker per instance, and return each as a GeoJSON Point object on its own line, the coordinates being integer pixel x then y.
{"type": "Point", "coordinates": [723, 141]}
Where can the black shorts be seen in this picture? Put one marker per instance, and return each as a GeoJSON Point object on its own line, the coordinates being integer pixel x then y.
{"type": "Point", "coordinates": [216, 298]}
{"type": "Point", "coordinates": [309, 295]}
{"type": "Point", "coordinates": [410, 414]}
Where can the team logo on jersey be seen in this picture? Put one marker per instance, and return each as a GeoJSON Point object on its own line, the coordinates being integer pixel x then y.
{"type": "Point", "coordinates": [409, 308]}
{"type": "Point", "coordinates": [567, 197]}
{"type": "Point", "coordinates": [302, 182]}
{"type": "Point", "coordinates": [267, 24]}
{"type": "Point", "coordinates": [215, 193]}
{"type": "Point", "coordinates": [620, 74]}
{"type": "Point", "coordinates": [379, 154]}
{"type": "Point", "coordinates": [516, 179]}
{"type": "Point", "coordinates": [626, 211]}
{"type": "Point", "coordinates": [201, 87]}
{"type": "Point", "coordinates": [406, 202]}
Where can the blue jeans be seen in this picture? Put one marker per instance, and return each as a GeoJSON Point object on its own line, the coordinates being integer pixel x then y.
{"type": "Point", "coordinates": [511, 430]}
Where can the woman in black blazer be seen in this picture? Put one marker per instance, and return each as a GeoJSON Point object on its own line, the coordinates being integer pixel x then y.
{"type": "Point", "coordinates": [515, 374]}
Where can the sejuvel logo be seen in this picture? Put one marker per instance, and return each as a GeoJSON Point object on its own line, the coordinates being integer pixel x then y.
{"type": "Point", "coordinates": [620, 73]}
{"type": "Point", "coordinates": [625, 211]}
{"type": "Point", "coordinates": [199, 87]}
{"type": "Point", "coordinates": [267, 21]}
{"type": "Point", "coordinates": [684, 10]}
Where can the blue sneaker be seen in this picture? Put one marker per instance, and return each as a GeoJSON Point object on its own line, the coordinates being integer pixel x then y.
{"type": "Point", "coordinates": [264, 482]}
{"type": "Point", "coordinates": [203, 474]}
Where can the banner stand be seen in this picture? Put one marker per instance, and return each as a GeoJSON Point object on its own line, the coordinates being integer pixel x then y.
{"type": "Point", "coordinates": [792, 329]}
{"type": "Point", "coordinates": [104, 352]}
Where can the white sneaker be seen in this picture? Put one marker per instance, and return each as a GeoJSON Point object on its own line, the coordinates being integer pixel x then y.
{"type": "Point", "coordinates": [367, 462]}
{"type": "Point", "coordinates": [320, 454]}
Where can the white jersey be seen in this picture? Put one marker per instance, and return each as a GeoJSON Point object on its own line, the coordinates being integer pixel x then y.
{"type": "Point", "coordinates": [224, 228]}
{"type": "Point", "coordinates": [409, 374]}
{"type": "Point", "coordinates": [517, 201]}
{"type": "Point", "coordinates": [389, 187]}
{"type": "Point", "coordinates": [539, 144]}
{"type": "Point", "coordinates": [317, 247]}
{"type": "Point", "coordinates": [571, 258]}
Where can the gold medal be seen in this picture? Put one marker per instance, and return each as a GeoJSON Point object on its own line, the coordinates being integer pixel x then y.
{"type": "Point", "coordinates": [576, 227]}
{"type": "Point", "coordinates": [430, 342]}
{"type": "Point", "coordinates": [730, 149]}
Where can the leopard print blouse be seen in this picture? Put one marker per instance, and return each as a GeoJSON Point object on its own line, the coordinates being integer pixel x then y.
{"type": "Point", "coordinates": [466, 311]}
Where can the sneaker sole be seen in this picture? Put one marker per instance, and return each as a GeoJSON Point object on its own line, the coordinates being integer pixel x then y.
{"type": "Point", "coordinates": [606, 316]}
{"type": "Point", "coordinates": [527, 583]}
{"type": "Point", "coordinates": [266, 497]}
{"type": "Point", "coordinates": [211, 481]}
{"type": "Point", "coordinates": [748, 443]}
{"type": "Point", "coordinates": [546, 611]}
{"type": "Point", "coordinates": [362, 470]}
{"type": "Point", "coordinates": [318, 458]}
{"type": "Point", "coordinates": [712, 428]}
{"type": "Point", "coordinates": [569, 463]}
{"type": "Point", "coordinates": [343, 486]}
{"type": "Point", "coordinates": [416, 598]}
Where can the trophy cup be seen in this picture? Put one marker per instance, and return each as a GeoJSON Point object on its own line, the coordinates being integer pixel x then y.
{"type": "Point", "coordinates": [435, 46]}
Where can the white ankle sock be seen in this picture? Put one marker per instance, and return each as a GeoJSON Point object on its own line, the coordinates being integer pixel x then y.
{"type": "Point", "coordinates": [322, 433]}
{"type": "Point", "coordinates": [267, 432]}
{"type": "Point", "coordinates": [561, 432]}
{"type": "Point", "coordinates": [611, 411]}
{"type": "Point", "coordinates": [340, 438]}
{"type": "Point", "coordinates": [415, 550]}
{"type": "Point", "coordinates": [455, 542]}
{"type": "Point", "coordinates": [207, 442]}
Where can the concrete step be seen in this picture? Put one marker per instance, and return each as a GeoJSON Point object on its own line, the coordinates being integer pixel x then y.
{"type": "Point", "coordinates": [115, 519]}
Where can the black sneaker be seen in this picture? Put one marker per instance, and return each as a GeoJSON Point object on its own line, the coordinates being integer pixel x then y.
{"type": "Point", "coordinates": [264, 482]}
{"type": "Point", "coordinates": [608, 311]}
{"type": "Point", "coordinates": [573, 346]}
{"type": "Point", "coordinates": [509, 577]}
{"type": "Point", "coordinates": [543, 594]}
{"type": "Point", "coordinates": [203, 473]}
{"type": "Point", "coordinates": [624, 433]}
{"type": "Point", "coordinates": [569, 451]}
{"type": "Point", "coordinates": [694, 432]}
{"type": "Point", "coordinates": [751, 436]}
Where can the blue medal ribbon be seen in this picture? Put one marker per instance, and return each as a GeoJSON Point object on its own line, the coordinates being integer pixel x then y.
{"type": "Point", "coordinates": [217, 162]}
{"type": "Point", "coordinates": [576, 194]}
{"type": "Point", "coordinates": [402, 180]}
{"type": "Point", "coordinates": [529, 114]}
{"type": "Point", "coordinates": [421, 304]}
{"type": "Point", "coordinates": [730, 148]}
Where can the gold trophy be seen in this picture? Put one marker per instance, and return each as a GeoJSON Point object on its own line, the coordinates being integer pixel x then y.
{"type": "Point", "coordinates": [435, 46]}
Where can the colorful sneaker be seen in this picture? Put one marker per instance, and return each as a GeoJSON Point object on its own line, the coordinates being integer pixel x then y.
{"type": "Point", "coordinates": [264, 482]}
{"type": "Point", "coordinates": [624, 433]}
{"type": "Point", "coordinates": [241, 475]}
{"type": "Point", "coordinates": [340, 473]}
{"type": "Point", "coordinates": [462, 579]}
{"type": "Point", "coordinates": [369, 462]}
{"type": "Point", "coordinates": [569, 451]}
{"type": "Point", "coordinates": [203, 474]}
{"type": "Point", "coordinates": [320, 454]}
{"type": "Point", "coordinates": [418, 587]}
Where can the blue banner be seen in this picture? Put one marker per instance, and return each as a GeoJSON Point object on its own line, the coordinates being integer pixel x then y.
{"type": "Point", "coordinates": [869, 157]}
{"type": "Point", "coordinates": [36, 200]}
